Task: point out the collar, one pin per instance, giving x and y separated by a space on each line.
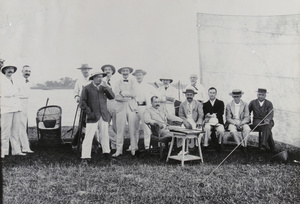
96 85
212 102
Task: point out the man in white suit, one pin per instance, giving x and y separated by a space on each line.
168 94
126 110
23 95
10 113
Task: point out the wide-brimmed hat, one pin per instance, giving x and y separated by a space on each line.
97 73
3 68
213 121
85 66
190 89
166 78
112 68
130 69
139 71
236 92
260 90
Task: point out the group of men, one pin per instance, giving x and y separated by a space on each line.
14 108
111 104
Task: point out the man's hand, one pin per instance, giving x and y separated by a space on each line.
187 125
77 99
267 121
198 126
104 84
170 99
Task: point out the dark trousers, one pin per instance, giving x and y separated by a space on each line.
267 136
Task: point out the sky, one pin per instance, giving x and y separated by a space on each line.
160 36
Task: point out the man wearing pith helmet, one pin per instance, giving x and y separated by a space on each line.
93 102
168 94
10 113
261 107
238 118
126 110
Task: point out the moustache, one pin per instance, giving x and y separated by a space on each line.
27 74
157 105
10 72
189 98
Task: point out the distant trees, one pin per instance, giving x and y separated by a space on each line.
62 83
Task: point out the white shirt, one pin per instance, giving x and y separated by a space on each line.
144 92
23 92
9 100
81 82
261 103
201 92
212 102
237 110
169 92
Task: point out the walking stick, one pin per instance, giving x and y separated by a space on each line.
74 120
45 109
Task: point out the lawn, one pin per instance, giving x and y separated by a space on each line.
54 175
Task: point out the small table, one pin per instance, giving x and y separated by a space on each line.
184 134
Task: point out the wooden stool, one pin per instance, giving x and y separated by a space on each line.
185 135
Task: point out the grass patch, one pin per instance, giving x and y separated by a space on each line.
54 175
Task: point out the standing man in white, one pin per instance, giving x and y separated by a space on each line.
23 95
144 92
111 104
201 96
10 113
168 94
80 83
126 110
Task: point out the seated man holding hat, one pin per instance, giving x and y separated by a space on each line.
213 112
93 102
237 118
261 107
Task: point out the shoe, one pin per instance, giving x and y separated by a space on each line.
107 156
129 149
20 154
136 154
115 155
185 153
29 152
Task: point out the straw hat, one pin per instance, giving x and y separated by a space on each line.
139 71
236 92
112 68
189 89
130 69
260 90
97 73
85 66
213 121
166 78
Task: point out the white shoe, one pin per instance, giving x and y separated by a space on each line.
20 154
129 149
29 151
116 154
185 153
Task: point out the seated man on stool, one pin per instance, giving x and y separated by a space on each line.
213 108
158 116
237 116
260 108
191 112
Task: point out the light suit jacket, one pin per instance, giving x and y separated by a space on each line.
197 111
244 113
151 115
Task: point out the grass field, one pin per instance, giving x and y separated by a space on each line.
54 175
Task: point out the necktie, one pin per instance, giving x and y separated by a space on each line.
26 80
125 80
108 82
189 108
166 88
11 81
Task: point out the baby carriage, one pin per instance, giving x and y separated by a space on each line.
48 123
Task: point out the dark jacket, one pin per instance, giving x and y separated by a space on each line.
260 112
93 102
218 108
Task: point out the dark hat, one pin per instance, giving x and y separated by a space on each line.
139 71
280 157
97 73
189 90
130 69
3 68
85 66
260 90
236 92
112 68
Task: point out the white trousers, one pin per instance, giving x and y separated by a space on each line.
239 137
23 130
130 116
140 123
10 123
91 129
219 132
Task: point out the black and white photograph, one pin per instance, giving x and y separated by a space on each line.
161 101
